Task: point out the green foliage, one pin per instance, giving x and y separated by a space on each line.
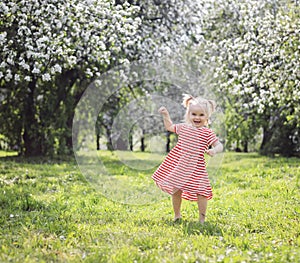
254 46
52 51
50 213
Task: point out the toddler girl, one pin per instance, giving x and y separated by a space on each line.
183 172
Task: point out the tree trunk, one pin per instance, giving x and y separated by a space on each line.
131 141
65 83
98 141
109 140
69 141
267 135
245 146
237 148
142 143
31 135
168 134
143 146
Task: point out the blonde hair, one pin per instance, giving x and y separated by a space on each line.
209 106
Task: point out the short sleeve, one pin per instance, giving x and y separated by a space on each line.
211 137
178 127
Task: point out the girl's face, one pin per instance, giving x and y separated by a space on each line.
197 116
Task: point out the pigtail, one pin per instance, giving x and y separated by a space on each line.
186 99
212 106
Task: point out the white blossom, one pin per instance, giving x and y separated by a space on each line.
46 77
4 8
40 97
17 77
24 65
36 71
27 78
3 37
3 64
8 75
10 61
72 60
56 69
89 72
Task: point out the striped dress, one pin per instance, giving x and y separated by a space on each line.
184 167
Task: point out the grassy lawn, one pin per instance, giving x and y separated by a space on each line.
50 213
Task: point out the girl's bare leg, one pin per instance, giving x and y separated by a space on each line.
176 201
202 205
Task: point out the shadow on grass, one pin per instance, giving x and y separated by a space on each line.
196 228
39 159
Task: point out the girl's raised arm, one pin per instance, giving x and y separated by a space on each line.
167 120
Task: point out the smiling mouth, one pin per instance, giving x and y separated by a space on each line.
197 122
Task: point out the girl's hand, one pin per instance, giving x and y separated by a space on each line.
211 152
162 110
217 148
167 120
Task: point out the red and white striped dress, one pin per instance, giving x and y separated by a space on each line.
184 167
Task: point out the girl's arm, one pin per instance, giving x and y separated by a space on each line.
217 148
167 120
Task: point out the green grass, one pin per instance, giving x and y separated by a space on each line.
50 213
7 153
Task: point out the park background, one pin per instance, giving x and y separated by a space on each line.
246 53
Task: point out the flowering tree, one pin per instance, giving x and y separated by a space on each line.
166 28
255 47
50 52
